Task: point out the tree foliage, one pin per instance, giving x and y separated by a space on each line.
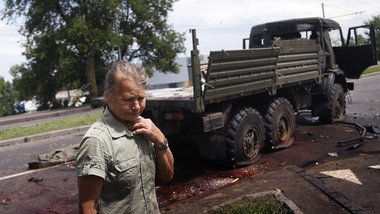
69 41
7 100
375 21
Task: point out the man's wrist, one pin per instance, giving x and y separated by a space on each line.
164 147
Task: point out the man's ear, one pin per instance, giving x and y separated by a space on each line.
106 94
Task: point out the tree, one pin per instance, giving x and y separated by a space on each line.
22 82
7 100
75 41
375 21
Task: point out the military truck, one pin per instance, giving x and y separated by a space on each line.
243 101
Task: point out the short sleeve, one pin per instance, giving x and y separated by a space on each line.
90 159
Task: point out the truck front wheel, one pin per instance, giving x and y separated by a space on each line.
334 109
280 123
245 137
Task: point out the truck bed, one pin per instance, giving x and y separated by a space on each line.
182 93
238 73
170 98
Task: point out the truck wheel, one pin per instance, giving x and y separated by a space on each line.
280 123
335 108
245 137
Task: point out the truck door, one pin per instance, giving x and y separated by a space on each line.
358 53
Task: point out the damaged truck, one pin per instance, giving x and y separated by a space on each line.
243 101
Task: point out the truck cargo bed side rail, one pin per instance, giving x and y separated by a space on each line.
298 62
237 73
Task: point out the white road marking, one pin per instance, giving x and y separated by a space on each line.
29 172
375 167
345 174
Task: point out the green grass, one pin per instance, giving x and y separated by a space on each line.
254 205
372 69
16 132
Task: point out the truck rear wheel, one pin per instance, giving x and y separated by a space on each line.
245 137
280 123
335 108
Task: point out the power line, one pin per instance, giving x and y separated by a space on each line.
348 14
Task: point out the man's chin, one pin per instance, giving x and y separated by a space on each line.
131 118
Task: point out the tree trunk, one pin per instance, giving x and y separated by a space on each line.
90 67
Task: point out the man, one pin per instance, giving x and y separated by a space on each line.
122 152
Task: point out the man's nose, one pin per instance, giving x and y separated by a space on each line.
136 105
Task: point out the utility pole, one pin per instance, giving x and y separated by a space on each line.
323 10
117 35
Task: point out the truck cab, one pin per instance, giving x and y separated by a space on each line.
352 54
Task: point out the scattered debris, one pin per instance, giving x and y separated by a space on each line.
333 154
235 180
358 127
54 158
4 201
374 167
373 129
325 137
355 146
35 180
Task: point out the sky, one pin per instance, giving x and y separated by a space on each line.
220 24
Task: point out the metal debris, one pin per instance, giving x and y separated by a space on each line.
4 201
333 154
35 179
358 127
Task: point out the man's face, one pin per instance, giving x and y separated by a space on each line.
127 102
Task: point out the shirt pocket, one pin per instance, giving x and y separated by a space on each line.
127 171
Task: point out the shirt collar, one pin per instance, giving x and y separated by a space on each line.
115 127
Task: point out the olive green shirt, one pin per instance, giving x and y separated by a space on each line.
125 161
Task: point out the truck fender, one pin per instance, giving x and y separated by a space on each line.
326 84
328 80
340 78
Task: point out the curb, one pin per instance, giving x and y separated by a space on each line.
277 195
80 129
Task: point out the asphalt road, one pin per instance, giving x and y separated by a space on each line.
14 159
365 96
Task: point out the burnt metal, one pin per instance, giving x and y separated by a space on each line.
358 127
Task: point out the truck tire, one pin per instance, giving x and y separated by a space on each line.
280 123
245 137
335 108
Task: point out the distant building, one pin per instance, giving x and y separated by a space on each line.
171 80
71 96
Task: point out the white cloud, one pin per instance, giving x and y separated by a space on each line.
10 49
222 24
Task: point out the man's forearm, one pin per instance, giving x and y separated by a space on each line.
165 165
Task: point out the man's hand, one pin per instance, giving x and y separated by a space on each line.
164 158
147 127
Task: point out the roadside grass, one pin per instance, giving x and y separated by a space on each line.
372 69
254 205
24 131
